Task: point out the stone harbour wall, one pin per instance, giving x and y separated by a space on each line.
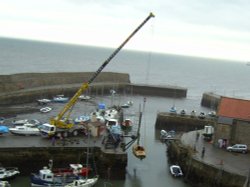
15 82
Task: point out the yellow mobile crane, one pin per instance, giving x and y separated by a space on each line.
60 125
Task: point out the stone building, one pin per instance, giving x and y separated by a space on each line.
233 124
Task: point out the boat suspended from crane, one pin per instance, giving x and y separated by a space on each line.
138 149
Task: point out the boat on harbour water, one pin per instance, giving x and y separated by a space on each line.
137 149
88 182
176 171
47 176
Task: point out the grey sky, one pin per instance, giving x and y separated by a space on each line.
209 28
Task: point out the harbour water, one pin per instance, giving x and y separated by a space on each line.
198 75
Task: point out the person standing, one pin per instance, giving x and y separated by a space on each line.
53 141
203 152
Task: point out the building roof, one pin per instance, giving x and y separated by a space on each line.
234 108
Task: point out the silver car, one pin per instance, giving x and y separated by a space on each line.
241 148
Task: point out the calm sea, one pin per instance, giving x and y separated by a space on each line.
198 75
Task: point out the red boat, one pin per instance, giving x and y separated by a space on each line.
76 169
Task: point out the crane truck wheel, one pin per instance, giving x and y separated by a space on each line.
75 133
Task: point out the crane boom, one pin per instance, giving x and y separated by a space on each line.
68 107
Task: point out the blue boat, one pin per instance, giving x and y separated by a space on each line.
3 129
173 110
46 177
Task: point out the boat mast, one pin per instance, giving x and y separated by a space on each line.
87 157
139 126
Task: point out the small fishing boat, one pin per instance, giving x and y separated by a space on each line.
2 119
82 119
84 97
87 181
176 171
173 110
127 105
4 184
45 109
130 103
164 135
111 114
3 129
126 124
20 122
27 129
60 99
139 151
43 101
8 172
83 182
58 177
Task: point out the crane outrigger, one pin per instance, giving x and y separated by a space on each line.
61 125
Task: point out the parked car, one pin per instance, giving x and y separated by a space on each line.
240 148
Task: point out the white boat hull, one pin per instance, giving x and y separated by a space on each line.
176 171
83 182
8 173
45 109
25 131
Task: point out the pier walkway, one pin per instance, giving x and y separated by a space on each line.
237 163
